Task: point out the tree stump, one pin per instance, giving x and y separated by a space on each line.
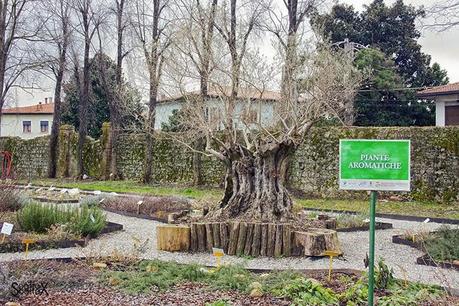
173 237
316 241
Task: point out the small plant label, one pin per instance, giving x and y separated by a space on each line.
218 252
7 228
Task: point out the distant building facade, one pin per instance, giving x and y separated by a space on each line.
261 109
27 122
446 99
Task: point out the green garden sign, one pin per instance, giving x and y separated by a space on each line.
374 165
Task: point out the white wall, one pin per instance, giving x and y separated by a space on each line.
11 125
440 104
265 108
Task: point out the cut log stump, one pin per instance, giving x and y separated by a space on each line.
316 241
173 237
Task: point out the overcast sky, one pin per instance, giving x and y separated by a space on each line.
442 46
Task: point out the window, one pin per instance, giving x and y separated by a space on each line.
44 126
26 127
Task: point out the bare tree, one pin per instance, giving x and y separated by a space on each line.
150 25
90 19
17 29
315 85
114 102
56 32
195 42
445 14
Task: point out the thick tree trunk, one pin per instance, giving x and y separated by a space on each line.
54 138
255 186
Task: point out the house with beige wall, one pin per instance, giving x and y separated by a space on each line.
27 121
446 99
261 103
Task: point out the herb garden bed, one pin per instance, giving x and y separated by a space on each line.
438 246
44 244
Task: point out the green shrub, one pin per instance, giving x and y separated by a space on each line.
87 221
39 218
384 277
309 292
443 244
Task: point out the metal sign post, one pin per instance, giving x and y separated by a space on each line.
371 267
367 164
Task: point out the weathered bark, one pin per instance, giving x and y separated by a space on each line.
254 186
54 138
114 106
154 65
85 11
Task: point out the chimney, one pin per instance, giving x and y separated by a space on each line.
46 100
50 99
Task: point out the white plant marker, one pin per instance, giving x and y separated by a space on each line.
7 229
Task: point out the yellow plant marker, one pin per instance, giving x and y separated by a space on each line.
218 253
331 254
3 238
27 241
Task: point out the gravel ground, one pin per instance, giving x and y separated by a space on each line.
140 234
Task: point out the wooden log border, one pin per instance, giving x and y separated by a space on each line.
243 238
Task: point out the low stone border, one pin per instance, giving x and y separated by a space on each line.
378 226
129 214
12 247
55 201
390 216
424 259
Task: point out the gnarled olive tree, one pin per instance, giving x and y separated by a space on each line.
254 132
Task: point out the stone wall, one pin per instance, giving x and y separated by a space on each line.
313 170
434 160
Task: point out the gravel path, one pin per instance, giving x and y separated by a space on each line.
140 233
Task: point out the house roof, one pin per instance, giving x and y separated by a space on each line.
448 89
243 93
42 108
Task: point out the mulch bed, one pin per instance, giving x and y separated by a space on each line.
424 259
17 246
378 226
183 294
